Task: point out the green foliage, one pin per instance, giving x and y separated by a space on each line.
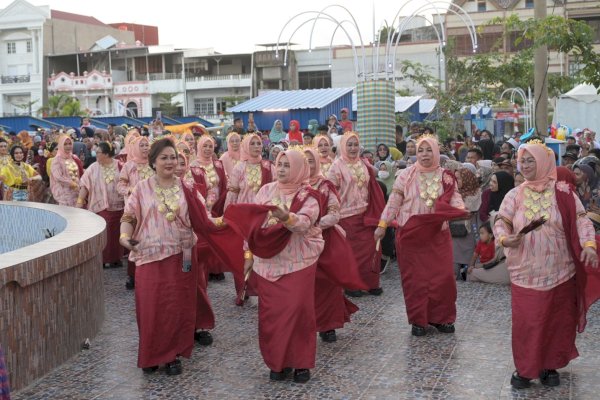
166 104
62 105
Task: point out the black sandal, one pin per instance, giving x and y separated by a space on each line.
301 375
518 382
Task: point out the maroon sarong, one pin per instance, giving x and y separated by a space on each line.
165 305
205 317
332 308
425 261
113 251
543 328
286 320
360 238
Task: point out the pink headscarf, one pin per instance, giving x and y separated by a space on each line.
245 149
314 178
318 139
435 147
202 159
135 154
131 135
61 147
299 171
235 155
343 151
545 165
186 134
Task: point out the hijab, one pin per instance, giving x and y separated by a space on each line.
187 134
389 181
584 190
299 172
545 165
314 178
131 135
235 155
318 139
505 184
245 149
61 147
277 135
277 146
387 153
470 184
135 154
435 147
342 148
202 159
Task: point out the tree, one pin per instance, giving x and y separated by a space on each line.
166 104
26 107
54 106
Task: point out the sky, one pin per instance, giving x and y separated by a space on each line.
236 26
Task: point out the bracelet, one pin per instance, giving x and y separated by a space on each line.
80 201
382 224
591 244
125 235
219 222
247 255
501 240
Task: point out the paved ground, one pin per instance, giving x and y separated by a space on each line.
375 357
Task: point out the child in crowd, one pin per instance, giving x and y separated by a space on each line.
485 250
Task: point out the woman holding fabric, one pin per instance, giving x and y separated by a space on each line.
16 175
65 171
336 266
552 282
135 170
362 202
156 229
98 194
423 199
285 282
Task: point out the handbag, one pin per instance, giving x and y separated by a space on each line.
458 229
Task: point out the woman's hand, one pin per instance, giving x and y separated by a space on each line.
282 214
124 241
379 233
512 241
589 257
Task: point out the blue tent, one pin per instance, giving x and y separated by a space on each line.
301 105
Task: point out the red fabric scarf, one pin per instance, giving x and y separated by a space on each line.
587 278
376 199
200 178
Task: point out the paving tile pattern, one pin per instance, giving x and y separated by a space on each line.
375 356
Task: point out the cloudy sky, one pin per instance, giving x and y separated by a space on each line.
231 26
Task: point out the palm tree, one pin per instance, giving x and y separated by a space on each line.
72 109
54 106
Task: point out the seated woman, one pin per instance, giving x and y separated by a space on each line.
488 263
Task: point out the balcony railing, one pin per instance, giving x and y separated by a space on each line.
158 76
217 78
15 78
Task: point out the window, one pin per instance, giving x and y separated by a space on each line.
204 106
29 48
528 3
481 7
315 80
11 48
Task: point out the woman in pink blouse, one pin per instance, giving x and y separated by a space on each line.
65 174
547 268
131 135
156 228
324 148
362 202
332 308
98 193
190 140
423 198
135 170
286 313
232 156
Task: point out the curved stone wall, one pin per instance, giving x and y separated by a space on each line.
51 290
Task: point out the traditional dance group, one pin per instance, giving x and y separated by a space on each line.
303 232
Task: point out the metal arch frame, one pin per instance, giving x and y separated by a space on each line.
527 104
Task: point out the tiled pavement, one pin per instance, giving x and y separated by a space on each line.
375 356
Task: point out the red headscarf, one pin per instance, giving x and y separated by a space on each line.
314 178
135 154
245 149
202 159
61 147
545 165
299 171
343 151
296 135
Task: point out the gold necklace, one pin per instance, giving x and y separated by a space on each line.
211 175
169 200
253 176
358 173
108 173
144 172
72 169
537 204
429 188
279 202
325 168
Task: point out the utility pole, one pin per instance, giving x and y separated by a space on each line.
541 77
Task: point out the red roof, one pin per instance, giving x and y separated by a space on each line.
55 14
